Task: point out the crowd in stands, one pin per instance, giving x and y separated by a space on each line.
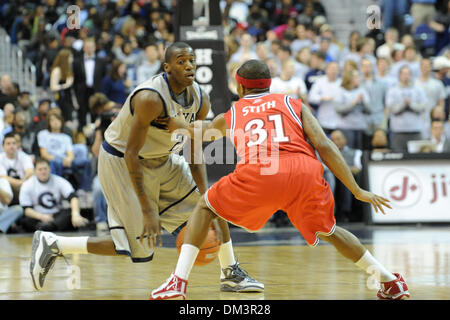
381 90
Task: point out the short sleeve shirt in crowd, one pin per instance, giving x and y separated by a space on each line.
56 144
17 166
45 197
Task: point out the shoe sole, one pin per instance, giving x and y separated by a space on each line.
165 297
34 252
402 296
228 288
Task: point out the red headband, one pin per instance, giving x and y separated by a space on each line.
254 83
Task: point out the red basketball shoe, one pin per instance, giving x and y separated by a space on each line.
174 287
394 290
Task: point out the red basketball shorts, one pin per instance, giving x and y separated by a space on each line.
248 199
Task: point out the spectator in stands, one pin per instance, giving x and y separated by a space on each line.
382 72
262 51
57 148
7 118
288 84
20 126
351 50
116 86
438 113
405 102
303 57
390 44
42 113
364 49
245 51
46 58
62 83
334 49
344 200
151 64
324 48
284 54
25 105
17 164
437 136
323 94
422 12
8 214
6 93
317 69
434 90
411 60
380 142
440 23
350 65
41 198
352 105
89 71
301 40
376 90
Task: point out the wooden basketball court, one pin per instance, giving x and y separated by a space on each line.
279 258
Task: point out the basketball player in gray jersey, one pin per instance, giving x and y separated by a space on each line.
147 185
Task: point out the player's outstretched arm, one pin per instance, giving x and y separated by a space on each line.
211 130
333 159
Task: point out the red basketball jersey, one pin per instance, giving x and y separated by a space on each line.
262 124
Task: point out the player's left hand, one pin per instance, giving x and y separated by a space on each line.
378 202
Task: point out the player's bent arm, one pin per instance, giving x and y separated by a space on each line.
211 130
328 151
147 106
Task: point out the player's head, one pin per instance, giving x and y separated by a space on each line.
253 77
179 64
42 169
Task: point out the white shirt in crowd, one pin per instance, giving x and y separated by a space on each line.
292 87
45 197
57 144
16 167
326 113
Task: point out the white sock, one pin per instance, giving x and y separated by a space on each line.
368 263
186 260
71 245
226 256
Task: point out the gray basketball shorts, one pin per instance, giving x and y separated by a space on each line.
172 192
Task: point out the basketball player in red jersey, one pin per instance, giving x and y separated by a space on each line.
248 196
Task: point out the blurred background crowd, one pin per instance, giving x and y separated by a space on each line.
379 89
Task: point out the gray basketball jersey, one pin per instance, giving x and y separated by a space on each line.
158 142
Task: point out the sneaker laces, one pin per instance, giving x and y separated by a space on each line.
237 270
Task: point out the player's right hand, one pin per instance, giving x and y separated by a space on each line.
152 229
376 201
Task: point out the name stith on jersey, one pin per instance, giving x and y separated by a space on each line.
259 108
